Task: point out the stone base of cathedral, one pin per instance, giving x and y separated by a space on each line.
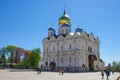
68 69
73 69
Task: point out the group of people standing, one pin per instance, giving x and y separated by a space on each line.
107 73
61 71
38 70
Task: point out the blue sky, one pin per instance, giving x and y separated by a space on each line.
24 23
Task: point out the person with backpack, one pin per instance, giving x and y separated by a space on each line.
107 73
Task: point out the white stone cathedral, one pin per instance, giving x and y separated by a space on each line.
78 51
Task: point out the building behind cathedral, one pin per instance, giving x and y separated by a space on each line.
76 51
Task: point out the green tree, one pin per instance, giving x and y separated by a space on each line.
3 54
34 57
11 49
32 61
116 65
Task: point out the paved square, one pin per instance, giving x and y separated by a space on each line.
32 75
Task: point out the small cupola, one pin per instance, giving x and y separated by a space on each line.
51 32
78 29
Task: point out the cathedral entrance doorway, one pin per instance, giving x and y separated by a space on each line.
46 63
52 65
92 58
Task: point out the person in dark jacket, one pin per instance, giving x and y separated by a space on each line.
107 73
62 71
38 70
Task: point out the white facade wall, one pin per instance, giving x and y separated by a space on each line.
68 47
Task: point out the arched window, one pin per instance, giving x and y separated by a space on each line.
51 33
48 33
63 31
69 59
46 48
61 59
54 48
89 49
83 66
61 47
70 46
46 63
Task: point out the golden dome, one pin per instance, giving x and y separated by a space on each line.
64 19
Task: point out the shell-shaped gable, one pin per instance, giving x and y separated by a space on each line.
91 37
84 35
60 38
97 40
53 38
45 40
68 36
76 35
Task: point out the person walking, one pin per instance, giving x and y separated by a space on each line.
38 70
102 74
113 72
62 71
107 74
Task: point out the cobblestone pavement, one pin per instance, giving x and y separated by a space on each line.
32 75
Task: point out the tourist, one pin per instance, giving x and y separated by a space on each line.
62 71
113 72
107 73
38 70
102 74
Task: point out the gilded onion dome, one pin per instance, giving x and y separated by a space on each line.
64 19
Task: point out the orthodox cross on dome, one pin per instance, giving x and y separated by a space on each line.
78 26
64 11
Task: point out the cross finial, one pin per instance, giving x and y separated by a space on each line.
64 11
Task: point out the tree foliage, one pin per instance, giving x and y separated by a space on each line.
3 53
11 49
30 60
33 60
34 57
116 65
